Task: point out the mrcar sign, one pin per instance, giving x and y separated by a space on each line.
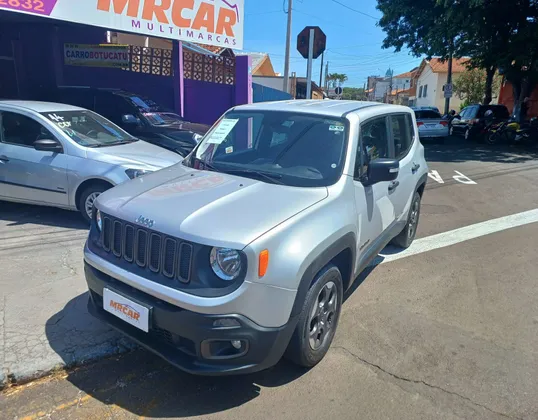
213 22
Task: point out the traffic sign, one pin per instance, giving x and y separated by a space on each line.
338 91
303 41
448 88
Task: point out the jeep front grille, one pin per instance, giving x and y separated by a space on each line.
150 250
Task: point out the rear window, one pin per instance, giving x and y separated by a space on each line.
427 114
498 111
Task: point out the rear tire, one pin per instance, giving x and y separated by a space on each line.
87 198
318 320
407 235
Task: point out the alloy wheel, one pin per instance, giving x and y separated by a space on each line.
323 315
413 219
467 134
88 204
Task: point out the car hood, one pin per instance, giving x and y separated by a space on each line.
139 155
210 208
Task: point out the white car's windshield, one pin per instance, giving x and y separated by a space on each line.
88 128
279 147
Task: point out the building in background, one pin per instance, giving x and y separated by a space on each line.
432 76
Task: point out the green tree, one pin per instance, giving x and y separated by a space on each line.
496 34
356 94
471 85
336 79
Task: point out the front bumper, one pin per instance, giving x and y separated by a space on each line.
182 337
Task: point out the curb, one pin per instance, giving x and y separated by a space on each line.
122 346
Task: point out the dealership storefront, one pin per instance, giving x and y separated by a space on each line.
49 43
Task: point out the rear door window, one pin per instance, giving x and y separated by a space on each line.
401 135
427 114
113 107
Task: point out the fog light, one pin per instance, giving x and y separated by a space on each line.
237 344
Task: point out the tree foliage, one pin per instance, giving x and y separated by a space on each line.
336 79
496 34
471 84
357 94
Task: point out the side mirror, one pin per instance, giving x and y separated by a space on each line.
129 119
48 145
381 170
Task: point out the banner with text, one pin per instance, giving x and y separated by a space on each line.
107 55
213 22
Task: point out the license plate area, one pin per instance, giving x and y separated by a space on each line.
127 310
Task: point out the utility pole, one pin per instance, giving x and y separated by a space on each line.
326 74
321 70
448 81
287 57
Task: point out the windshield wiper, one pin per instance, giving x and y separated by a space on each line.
93 146
268 176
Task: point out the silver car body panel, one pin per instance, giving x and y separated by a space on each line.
295 224
53 179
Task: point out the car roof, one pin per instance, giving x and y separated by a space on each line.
318 107
37 106
113 91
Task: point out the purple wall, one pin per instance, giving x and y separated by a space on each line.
39 48
205 102
158 88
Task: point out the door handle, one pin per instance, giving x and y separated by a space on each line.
393 185
415 167
4 158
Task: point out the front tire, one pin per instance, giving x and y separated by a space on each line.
407 235
467 135
88 197
318 320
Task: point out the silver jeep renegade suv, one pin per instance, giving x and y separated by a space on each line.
242 253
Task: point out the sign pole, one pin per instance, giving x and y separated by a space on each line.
309 69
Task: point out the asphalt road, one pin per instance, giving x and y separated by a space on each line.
447 333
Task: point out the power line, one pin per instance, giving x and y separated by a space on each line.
354 10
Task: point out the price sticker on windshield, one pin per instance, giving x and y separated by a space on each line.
222 130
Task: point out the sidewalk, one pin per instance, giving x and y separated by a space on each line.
44 324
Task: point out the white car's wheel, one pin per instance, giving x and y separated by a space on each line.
87 199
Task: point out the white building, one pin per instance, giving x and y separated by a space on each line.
432 76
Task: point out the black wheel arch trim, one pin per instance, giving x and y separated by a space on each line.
348 241
422 181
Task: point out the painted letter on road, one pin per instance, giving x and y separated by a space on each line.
435 176
463 179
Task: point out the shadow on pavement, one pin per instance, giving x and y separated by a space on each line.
141 382
16 214
458 150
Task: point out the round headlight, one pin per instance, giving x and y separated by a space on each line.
98 220
225 262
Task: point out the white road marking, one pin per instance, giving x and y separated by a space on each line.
456 236
464 179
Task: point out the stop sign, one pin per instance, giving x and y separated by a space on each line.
303 39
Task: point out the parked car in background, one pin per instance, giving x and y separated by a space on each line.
471 122
234 257
138 115
64 156
430 123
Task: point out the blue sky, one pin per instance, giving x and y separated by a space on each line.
353 39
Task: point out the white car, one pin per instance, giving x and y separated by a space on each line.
64 156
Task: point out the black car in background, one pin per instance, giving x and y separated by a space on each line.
470 122
136 114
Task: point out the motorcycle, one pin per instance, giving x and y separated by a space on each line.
513 132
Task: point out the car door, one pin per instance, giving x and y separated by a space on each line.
403 149
375 209
27 174
458 123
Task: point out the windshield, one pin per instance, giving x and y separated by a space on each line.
280 147
155 114
88 128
